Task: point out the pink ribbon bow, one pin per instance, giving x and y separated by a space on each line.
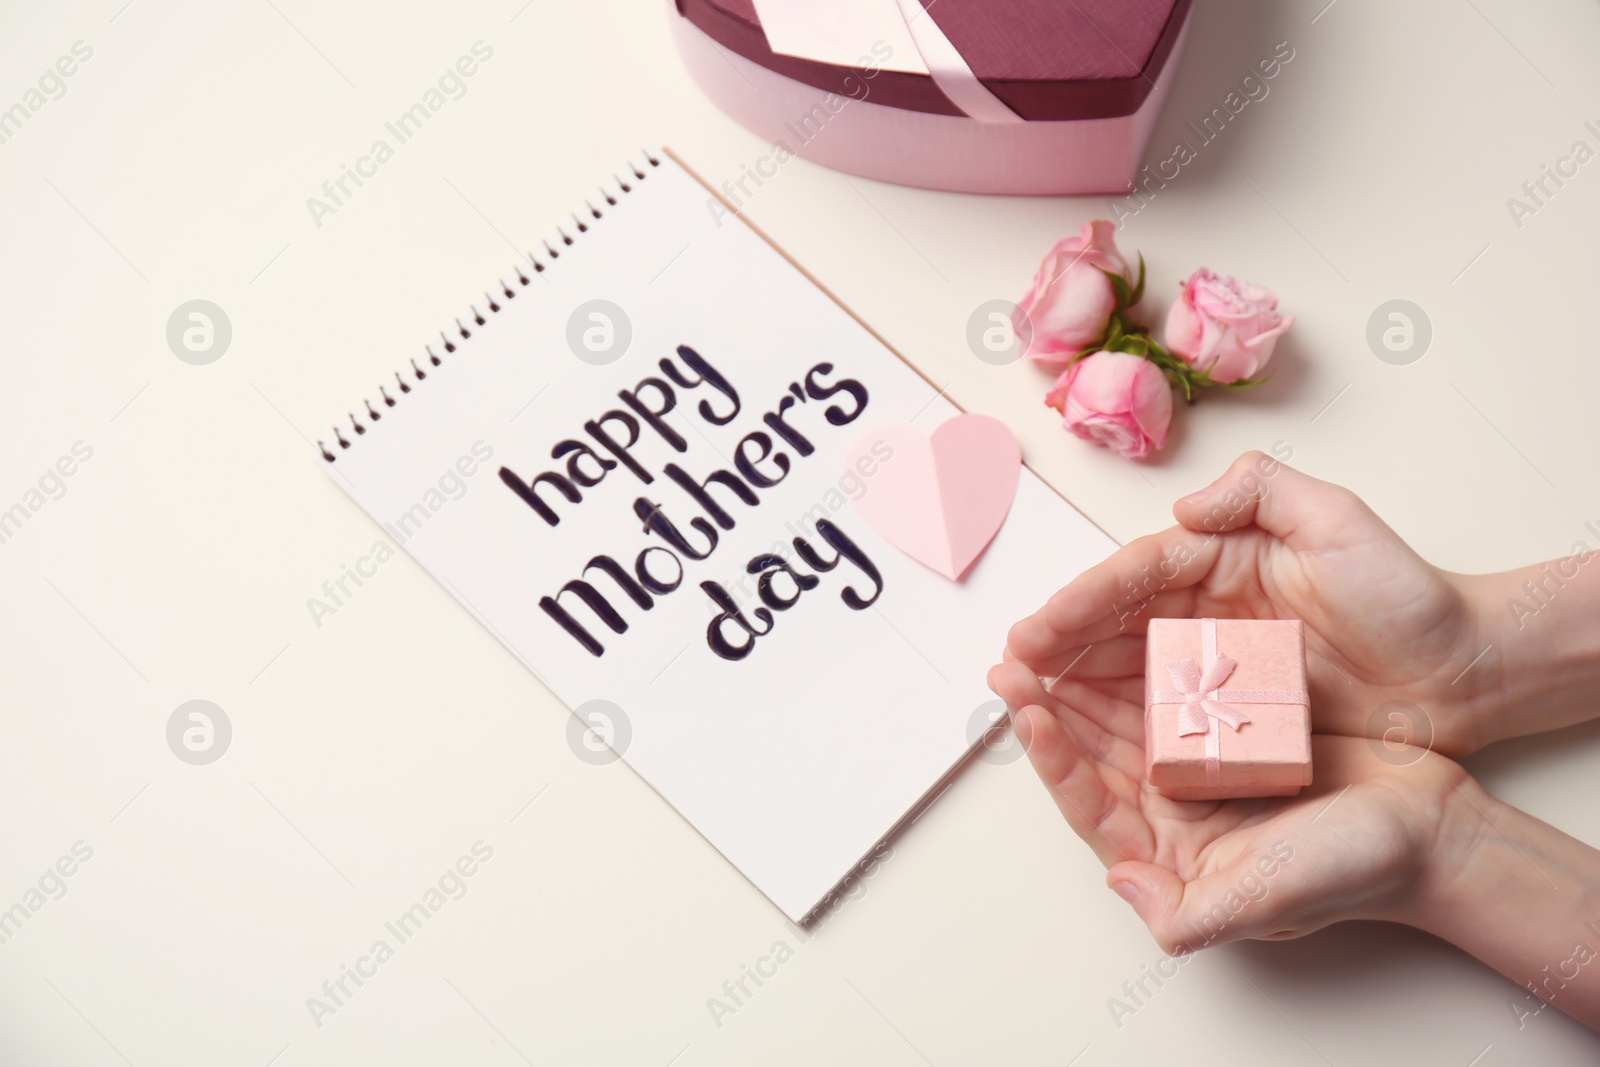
1202 697
1193 688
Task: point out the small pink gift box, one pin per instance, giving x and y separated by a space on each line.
1227 713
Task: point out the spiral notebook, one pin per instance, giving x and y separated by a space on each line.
629 465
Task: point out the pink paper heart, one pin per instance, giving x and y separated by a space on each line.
940 497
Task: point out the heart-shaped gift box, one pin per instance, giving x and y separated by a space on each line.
992 96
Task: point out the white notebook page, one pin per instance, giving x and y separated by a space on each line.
796 759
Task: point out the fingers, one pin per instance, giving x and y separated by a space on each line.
1303 511
1115 711
1109 823
1121 656
1128 690
1020 687
1114 657
1111 732
1233 903
1014 683
1150 577
1156 895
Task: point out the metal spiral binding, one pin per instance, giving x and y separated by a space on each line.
373 413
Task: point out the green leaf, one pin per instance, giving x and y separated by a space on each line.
1119 285
1181 380
1138 288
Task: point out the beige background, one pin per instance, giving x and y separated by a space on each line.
369 753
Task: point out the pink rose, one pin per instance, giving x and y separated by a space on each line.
1071 301
1115 399
1225 327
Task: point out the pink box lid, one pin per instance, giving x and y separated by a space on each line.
1046 60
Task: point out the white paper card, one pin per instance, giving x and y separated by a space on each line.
796 759
846 33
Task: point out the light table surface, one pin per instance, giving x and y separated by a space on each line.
373 748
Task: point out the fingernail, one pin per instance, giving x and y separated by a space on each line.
1024 728
1126 890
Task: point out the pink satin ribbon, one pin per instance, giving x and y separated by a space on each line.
1204 700
949 71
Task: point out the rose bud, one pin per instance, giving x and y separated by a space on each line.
1071 301
1224 327
1115 399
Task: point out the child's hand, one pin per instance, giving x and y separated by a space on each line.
1370 840
1265 541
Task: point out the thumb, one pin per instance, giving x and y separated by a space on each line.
1232 904
1303 511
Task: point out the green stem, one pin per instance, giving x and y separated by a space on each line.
1126 336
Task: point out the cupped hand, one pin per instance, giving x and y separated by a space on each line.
1366 841
1395 649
